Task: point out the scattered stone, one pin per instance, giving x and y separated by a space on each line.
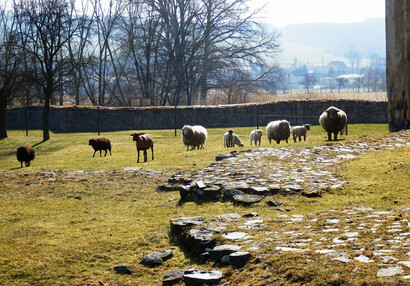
239 258
282 210
273 203
363 259
200 184
199 239
247 199
224 156
261 191
250 215
312 194
390 271
342 259
236 235
124 269
405 263
156 258
194 277
230 193
220 250
173 277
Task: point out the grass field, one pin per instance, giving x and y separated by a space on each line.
72 228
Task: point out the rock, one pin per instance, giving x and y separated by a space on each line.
250 215
225 259
180 226
229 193
221 157
282 210
390 271
199 239
204 257
293 188
200 184
173 277
127 169
156 258
211 193
219 251
274 188
233 216
168 188
240 186
194 277
273 203
312 194
239 258
261 191
247 199
124 269
236 235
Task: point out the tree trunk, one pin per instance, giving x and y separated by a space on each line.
46 113
3 107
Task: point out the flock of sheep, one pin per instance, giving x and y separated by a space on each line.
333 120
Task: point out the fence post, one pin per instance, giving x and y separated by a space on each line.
175 120
257 116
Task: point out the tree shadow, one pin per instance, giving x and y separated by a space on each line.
38 143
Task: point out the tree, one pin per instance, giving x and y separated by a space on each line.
341 82
46 27
354 58
10 65
308 81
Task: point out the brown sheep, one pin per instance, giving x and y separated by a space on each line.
25 154
100 144
143 142
333 120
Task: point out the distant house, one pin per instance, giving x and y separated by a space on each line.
338 66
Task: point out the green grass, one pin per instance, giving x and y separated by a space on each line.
72 229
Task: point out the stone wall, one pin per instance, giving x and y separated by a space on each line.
81 119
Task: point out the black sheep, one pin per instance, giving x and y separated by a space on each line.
100 144
25 154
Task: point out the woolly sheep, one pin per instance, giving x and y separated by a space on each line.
333 120
278 130
143 141
194 136
235 140
256 136
299 131
228 138
100 144
25 154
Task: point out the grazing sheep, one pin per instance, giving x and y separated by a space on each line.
278 130
228 138
194 136
256 136
299 131
100 144
25 154
333 120
143 142
237 141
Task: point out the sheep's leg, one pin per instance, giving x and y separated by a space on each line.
145 155
105 152
110 152
27 163
94 153
329 136
100 153
304 137
138 160
294 137
335 135
152 151
300 138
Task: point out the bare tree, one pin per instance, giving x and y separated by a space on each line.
10 65
308 81
47 25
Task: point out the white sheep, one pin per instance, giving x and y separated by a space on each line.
333 120
228 138
235 140
278 130
299 131
256 136
194 136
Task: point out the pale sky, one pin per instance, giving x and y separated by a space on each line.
281 13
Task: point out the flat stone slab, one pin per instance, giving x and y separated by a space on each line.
173 277
156 258
195 277
221 250
390 271
239 258
124 269
236 235
247 199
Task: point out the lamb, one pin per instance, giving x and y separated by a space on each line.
299 131
235 140
100 144
278 130
25 154
194 136
228 138
256 136
143 142
333 120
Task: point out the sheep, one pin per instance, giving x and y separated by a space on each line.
235 140
194 136
256 136
228 138
100 144
278 130
143 142
25 154
299 131
333 120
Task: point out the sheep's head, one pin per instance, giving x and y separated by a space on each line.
230 131
284 125
186 130
91 142
307 126
332 112
259 131
136 135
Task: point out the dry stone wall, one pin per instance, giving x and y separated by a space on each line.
82 119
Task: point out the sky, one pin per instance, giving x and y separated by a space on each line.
281 13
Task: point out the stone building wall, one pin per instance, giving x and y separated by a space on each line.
82 119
